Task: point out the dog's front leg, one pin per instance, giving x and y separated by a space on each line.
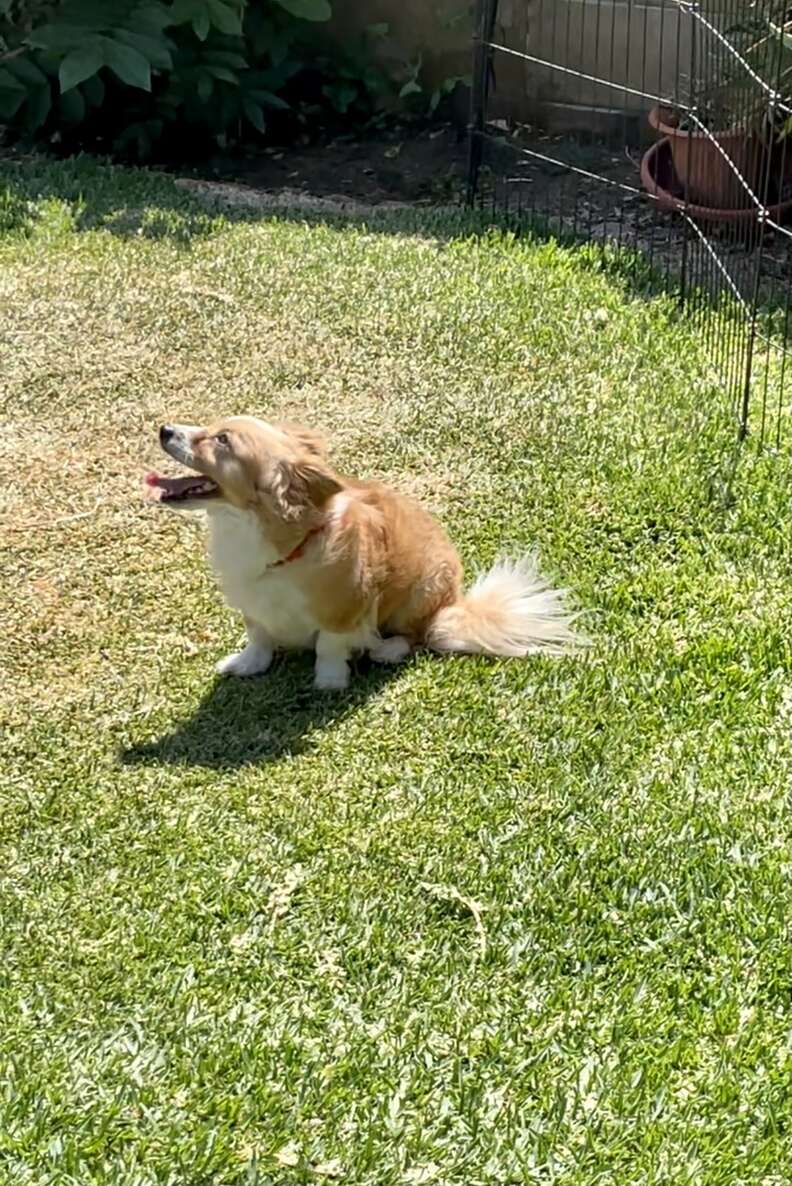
332 660
254 659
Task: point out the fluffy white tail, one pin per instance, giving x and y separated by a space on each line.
510 611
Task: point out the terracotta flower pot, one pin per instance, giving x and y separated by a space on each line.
704 175
659 180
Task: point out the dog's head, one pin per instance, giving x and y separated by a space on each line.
246 463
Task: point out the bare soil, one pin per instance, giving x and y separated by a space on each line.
397 166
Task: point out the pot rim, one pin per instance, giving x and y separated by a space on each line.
669 130
669 201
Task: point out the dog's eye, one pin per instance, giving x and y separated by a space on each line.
222 439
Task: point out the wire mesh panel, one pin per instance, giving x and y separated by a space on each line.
661 126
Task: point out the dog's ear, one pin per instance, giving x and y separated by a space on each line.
312 442
304 484
317 480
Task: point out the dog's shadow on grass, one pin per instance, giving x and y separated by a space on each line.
243 722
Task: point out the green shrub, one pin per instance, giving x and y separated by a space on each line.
144 76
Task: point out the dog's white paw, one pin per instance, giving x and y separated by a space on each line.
331 675
253 660
391 650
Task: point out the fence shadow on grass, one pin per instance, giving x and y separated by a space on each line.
142 204
83 194
138 204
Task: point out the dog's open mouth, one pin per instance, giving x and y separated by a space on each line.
187 489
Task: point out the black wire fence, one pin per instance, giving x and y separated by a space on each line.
663 127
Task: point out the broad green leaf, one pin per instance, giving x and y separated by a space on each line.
223 73
225 17
191 12
72 107
56 38
340 94
80 64
201 24
157 50
38 107
224 57
308 10
9 83
255 116
152 18
130 66
279 50
269 99
182 12
274 78
410 88
27 72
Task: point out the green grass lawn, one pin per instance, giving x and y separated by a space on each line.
472 922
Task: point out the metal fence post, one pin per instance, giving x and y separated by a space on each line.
483 27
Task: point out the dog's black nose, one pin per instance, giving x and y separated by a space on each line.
166 433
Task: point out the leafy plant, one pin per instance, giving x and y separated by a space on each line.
770 54
417 96
352 80
137 74
17 17
730 94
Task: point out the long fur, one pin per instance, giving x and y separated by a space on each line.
313 559
510 611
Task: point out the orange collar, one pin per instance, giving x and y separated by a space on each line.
298 551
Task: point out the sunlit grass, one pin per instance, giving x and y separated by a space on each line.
471 923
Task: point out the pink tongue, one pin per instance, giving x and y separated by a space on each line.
161 486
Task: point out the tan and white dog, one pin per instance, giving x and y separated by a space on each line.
315 560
